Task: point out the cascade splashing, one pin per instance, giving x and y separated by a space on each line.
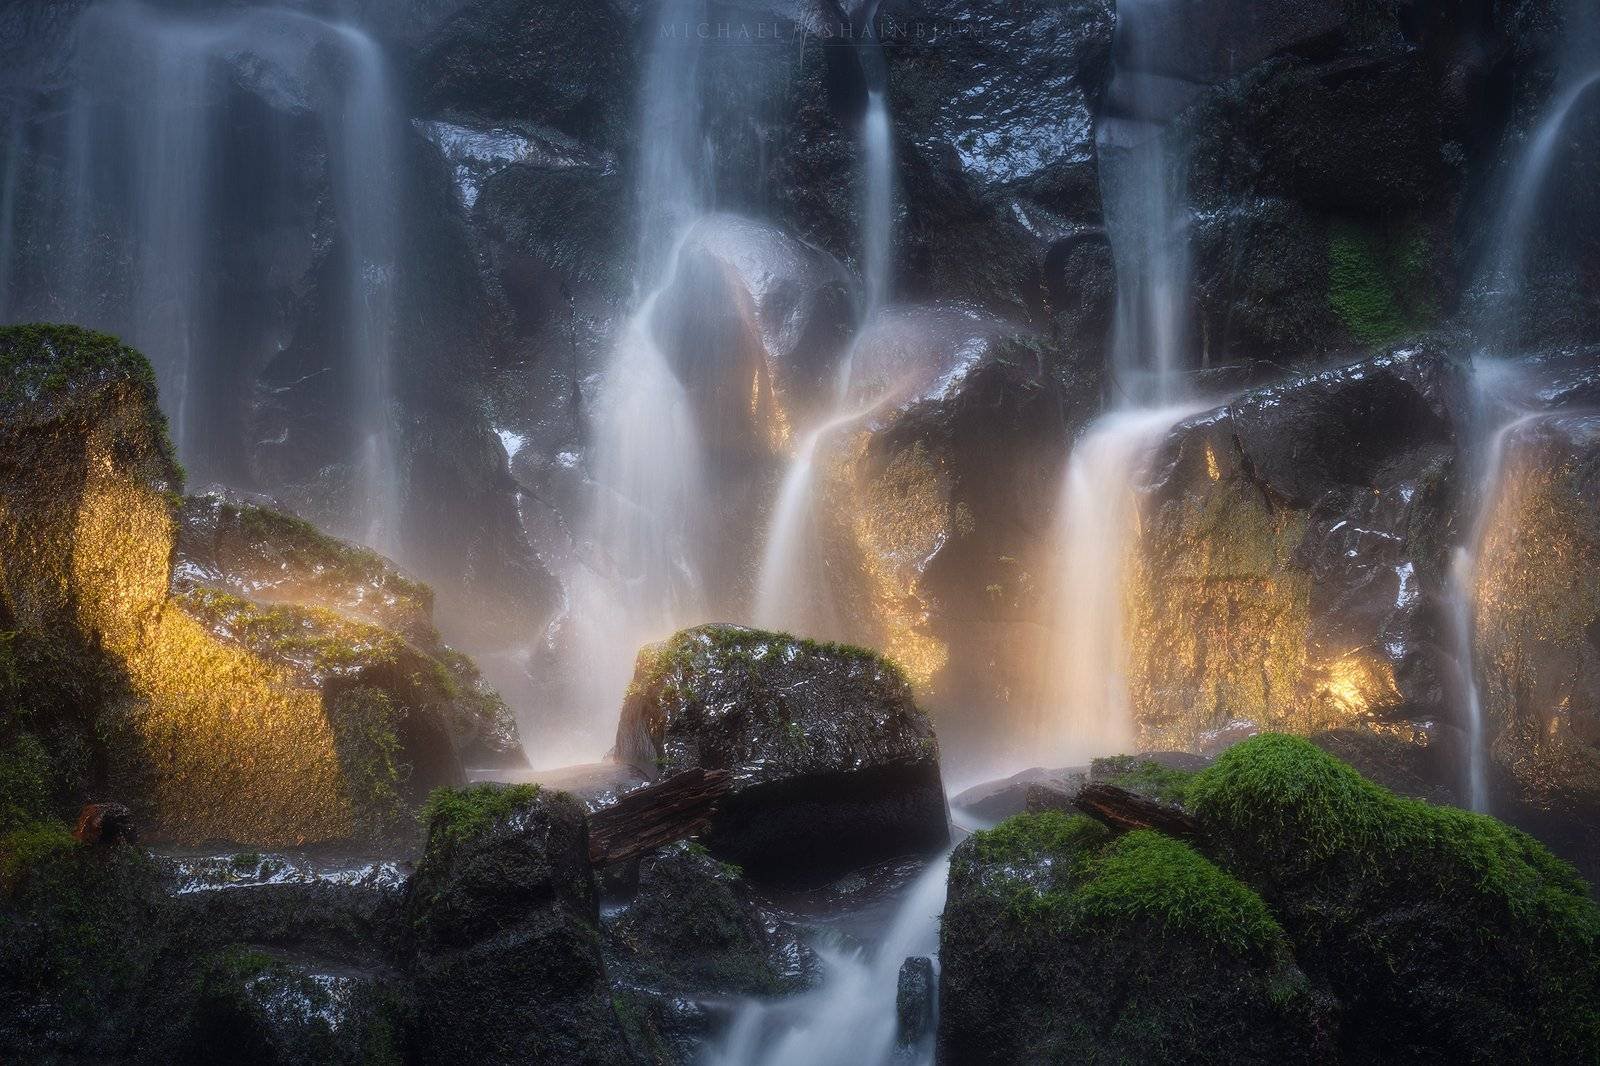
643 576
1493 418
851 1017
1083 689
147 160
792 591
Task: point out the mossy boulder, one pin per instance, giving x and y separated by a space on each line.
1063 943
833 764
1444 935
213 714
501 933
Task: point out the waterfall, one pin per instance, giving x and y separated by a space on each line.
145 146
1144 202
1082 689
643 578
792 591
851 1018
1492 418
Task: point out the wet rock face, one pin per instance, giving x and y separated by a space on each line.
1292 559
1538 622
1029 956
833 763
694 928
502 937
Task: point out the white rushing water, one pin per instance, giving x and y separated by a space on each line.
642 576
851 1019
1097 523
145 140
792 591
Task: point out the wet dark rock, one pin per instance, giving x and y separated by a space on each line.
994 801
105 825
501 933
833 764
915 990
694 929
499 60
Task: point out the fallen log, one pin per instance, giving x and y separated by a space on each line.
1121 809
655 815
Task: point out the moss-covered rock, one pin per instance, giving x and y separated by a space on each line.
833 764
166 685
1062 943
1445 935
501 933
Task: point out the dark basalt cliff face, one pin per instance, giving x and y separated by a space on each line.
833 765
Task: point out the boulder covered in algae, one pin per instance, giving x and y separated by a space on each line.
1314 916
833 763
226 671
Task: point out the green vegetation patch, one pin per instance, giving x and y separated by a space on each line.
454 816
25 783
314 639
1144 776
365 724
1378 283
1071 873
42 359
750 649
26 846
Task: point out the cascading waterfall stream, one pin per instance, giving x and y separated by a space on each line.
142 141
851 1018
1492 421
792 591
1083 694
649 487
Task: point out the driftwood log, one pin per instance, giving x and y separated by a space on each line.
658 814
1121 809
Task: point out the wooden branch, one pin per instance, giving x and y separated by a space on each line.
658 814
1121 809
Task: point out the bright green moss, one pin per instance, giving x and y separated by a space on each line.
1378 283
313 638
1144 776
41 358
453 816
1074 875
24 783
745 648
25 847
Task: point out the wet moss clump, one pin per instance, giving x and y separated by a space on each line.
1439 930
747 649
454 816
1144 776
1048 911
41 359
1378 283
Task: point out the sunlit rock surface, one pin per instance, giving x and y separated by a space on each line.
1290 560
1538 622
833 764
225 718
